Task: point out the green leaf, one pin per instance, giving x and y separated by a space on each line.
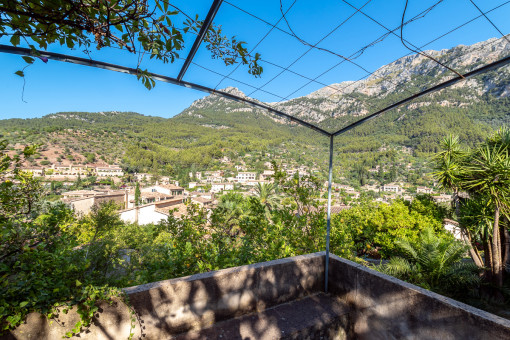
69 43
147 84
29 60
15 40
23 304
19 73
78 283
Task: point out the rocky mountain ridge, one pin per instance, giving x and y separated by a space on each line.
401 78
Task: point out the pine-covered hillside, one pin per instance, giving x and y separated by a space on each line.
213 127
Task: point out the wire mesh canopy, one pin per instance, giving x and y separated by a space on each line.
339 57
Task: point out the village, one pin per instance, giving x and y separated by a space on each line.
162 196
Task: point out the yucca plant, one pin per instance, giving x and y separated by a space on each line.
434 263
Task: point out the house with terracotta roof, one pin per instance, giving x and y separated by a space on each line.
82 201
155 212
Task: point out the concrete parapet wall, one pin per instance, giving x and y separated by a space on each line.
377 306
197 301
113 321
172 306
383 307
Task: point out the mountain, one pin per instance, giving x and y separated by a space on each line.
335 105
213 127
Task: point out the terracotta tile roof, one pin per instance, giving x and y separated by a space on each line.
177 210
170 186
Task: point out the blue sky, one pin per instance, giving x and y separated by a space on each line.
58 86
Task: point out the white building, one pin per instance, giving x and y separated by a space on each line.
346 188
144 214
36 171
423 190
219 187
143 177
168 189
267 175
110 171
152 212
148 197
453 227
391 188
442 198
243 177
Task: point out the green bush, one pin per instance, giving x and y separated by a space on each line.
434 263
374 227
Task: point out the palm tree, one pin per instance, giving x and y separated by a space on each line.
268 196
502 138
478 219
448 166
434 263
488 176
229 213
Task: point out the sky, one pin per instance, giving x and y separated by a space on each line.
333 25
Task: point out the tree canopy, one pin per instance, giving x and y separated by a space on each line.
142 27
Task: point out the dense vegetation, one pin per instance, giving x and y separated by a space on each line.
198 141
51 258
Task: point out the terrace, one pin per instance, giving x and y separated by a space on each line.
281 299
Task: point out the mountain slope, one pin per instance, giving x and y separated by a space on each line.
214 126
470 108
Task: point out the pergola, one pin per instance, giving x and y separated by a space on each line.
214 8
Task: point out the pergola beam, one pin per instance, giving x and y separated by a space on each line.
201 35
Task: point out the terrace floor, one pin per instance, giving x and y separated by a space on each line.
318 316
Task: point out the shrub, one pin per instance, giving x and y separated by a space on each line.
434 263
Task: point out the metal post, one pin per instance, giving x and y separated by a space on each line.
201 35
328 223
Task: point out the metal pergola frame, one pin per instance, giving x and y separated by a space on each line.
180 82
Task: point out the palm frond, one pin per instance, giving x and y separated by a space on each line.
434 263
398 267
